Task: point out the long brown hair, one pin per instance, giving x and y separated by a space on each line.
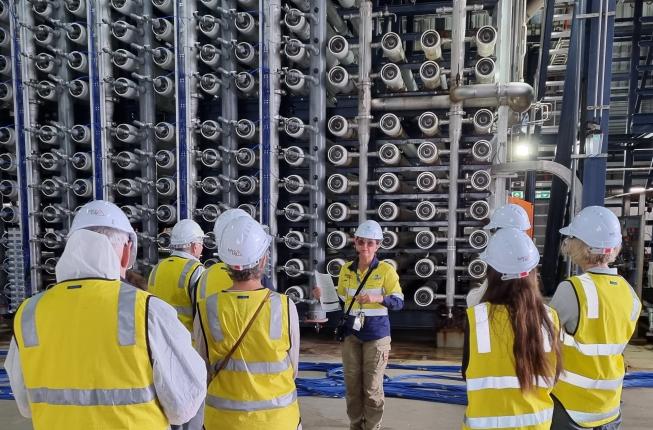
528 315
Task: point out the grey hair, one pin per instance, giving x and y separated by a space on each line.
117 238
184 248
255 272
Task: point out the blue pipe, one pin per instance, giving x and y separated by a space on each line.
401 386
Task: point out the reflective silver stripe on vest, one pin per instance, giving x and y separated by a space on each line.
589 417
152 279
213 317
126 315
203 283
28 322
501 382
590 384
184 310
75 397
593 349
260 367
482 328
276 316
591 295
352 291
370 312
510 421
250 406
634 313
182 278
196 275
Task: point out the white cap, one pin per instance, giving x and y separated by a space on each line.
225 218
369 230
512 253
509 216
244 243
598 227
101 213
186 232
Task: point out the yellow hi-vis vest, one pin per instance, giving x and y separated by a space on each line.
214 279
256 389
84 355
494 399
382 281
171 281
590 386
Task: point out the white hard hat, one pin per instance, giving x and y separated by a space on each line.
598 227
186 232
369 230
512 253
101 213
509 216
225 218
244 243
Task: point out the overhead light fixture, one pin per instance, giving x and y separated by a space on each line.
521 150
637 189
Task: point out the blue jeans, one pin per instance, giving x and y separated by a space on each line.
562 421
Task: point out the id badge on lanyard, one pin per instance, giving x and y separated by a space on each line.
359 322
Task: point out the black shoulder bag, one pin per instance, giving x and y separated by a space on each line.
340 330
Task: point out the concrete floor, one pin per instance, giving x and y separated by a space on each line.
329 414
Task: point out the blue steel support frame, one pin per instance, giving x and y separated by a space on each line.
21 150
634 63
567 135
594 168
95 97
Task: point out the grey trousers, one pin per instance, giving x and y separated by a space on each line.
562 421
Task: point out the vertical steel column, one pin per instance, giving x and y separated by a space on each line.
645 77
270 40
504 50
634 63
183 50
229 108
364 103
21 98
455 130
567 137
628 180
96 100
102 163
639 262
540 82
147 116
601 31
317 114
65 120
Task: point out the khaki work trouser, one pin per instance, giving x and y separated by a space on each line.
364 364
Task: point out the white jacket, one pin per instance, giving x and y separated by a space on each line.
179 371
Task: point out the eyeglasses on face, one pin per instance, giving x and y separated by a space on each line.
366 242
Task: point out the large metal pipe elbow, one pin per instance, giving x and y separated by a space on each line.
519 95
533 7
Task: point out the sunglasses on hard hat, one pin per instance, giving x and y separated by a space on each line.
366 242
